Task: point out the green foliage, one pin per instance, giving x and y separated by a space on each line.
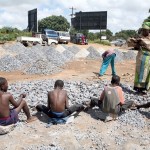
72 31
125 34
103 42
106 33
85 32
92 36
10 34
97 35
58 23
147 19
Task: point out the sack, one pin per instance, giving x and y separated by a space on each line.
6 129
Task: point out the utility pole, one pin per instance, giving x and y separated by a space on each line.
72 8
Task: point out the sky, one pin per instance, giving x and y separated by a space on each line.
121 14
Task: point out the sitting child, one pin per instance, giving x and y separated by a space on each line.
10 116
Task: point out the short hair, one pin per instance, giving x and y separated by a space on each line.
59 83
2 81
115 79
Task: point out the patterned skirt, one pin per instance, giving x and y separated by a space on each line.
142 73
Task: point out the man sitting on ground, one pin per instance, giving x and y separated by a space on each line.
57 105
112 98
10 116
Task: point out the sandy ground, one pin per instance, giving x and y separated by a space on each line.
36 133
85 70
80 69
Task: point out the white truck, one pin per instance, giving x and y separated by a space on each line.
38 38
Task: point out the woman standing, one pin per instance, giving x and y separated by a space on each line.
142 73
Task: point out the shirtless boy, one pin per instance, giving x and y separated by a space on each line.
57 105
10 116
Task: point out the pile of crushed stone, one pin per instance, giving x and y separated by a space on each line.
49 59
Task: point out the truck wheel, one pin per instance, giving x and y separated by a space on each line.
53 44
25 44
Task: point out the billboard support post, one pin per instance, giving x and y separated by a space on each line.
100 27
80 21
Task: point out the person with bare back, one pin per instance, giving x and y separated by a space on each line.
10 116
57 105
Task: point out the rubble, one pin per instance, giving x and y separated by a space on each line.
19 57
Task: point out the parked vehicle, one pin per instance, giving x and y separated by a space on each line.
51 34
38 38
118 42
63 37
79 38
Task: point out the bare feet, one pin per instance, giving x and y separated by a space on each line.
32 118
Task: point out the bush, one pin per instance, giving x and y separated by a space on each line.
104 42
13 35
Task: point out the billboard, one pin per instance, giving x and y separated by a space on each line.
90 20
32 20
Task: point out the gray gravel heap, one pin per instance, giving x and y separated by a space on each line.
43 147
15 48
9 63
119 55
31 59
73 49
122 56
94 54
42 67
133 118
55 57
68 55
131 125
24 58
36 52
78 92
130 55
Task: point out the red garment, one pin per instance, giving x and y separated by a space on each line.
83 39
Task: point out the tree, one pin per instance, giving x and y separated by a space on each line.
72 31
58 23
92 36
125 34
106 33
